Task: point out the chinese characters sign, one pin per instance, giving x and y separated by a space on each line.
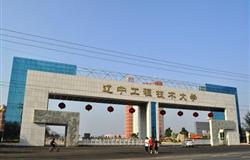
147 92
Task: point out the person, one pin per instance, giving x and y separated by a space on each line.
156 146
146 144
53 145
150 143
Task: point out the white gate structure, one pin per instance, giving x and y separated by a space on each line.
42 86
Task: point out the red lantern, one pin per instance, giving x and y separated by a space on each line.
180 113
88 107
131 110
162 112
61 105
195 114
210 115
110 109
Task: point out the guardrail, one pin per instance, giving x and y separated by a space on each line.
132 142
202 142
111 142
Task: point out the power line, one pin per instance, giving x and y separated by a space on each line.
140 79
101 71
128 54
122 62
82 69
166 82
103 53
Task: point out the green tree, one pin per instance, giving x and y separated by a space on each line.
247 121
184 131
168 132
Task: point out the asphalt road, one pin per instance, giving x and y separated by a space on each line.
241 152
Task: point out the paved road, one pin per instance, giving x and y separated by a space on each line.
241 152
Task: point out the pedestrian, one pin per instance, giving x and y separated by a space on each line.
146 144
53 145
150 143
156 146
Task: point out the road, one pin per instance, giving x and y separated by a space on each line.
241 152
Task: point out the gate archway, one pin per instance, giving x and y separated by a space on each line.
90 89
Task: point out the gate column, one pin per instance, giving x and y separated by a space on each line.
152 120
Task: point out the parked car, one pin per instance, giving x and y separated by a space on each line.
188 143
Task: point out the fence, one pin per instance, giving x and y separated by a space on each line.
111 142
202 142
132 142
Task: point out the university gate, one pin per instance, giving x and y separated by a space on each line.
42 86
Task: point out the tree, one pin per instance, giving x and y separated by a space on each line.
54 134
133 135
247 121
168 132
47 131
11 131
184 131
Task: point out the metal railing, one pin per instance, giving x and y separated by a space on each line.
118 76
131 142
111 142
202 142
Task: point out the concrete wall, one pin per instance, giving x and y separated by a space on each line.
69 119
40 84
230 132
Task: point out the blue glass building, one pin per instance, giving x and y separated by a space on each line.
16 94
226 90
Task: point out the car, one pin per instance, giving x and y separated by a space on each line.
188 143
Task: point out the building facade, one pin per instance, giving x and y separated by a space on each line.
16 93
201 127
128 122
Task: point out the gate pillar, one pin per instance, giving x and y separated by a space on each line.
152 120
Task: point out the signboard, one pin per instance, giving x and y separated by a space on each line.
148 92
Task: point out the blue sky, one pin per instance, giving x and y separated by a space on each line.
209 33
